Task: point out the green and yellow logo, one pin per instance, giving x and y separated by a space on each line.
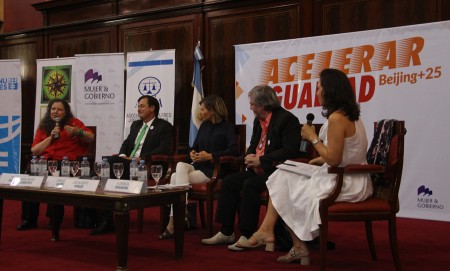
56 81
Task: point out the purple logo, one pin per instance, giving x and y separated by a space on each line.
91 75
424 190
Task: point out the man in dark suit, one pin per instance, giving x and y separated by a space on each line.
275 138
156 136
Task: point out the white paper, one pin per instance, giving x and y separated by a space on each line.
299 168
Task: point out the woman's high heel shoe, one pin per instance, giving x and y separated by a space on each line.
166 235
295 255
269 241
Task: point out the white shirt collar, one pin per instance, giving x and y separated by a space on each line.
149 123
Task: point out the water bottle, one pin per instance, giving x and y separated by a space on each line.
133 169
142 174
105 169
34 166
42 164
85 169
65 167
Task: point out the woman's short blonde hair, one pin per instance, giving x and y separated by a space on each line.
216 105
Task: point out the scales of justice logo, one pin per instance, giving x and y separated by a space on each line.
149 86
56 82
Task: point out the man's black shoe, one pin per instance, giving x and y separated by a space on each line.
26 225
103 228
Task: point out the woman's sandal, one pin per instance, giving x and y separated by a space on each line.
295 255
268 240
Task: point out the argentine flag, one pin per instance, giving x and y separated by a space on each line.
197 96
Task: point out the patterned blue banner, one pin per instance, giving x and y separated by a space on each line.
10 144
10 116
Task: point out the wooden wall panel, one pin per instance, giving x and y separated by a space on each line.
80 14
340 16
133 6
175 33
226 28
20 15
67 11
90 41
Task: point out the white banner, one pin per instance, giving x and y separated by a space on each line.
100 98
10 115
150 73
398 73
55 79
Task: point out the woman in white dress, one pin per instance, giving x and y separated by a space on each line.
342 140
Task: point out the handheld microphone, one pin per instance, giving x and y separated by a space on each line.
304 143
56 125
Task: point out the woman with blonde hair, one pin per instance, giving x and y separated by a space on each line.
216 137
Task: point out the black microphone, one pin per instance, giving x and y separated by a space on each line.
56 125
304 143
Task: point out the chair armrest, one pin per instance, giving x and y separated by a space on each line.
340 171
218 163
179 158
158 157
227 159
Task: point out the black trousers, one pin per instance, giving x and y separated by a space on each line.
30 211
250 186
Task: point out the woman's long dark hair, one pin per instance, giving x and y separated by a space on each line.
338 94
47 124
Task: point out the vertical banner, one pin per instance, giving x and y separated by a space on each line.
150 73
10 115
54 79
397 73
100 98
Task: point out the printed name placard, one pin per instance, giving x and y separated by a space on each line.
22 180
7 178
31 181
75 184
124 186
54 182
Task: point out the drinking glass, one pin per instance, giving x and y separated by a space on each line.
118 170
52 166
98 168
74 167
156 171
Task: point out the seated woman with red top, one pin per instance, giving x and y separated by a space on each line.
59 134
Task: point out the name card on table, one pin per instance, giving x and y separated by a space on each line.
22 180
7 178
75 184
55 182
124 186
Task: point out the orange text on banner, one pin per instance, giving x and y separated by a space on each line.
366 58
